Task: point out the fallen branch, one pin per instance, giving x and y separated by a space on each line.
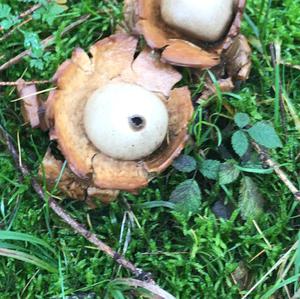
79 228
45 43
281 174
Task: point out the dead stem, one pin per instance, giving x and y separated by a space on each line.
280 173
156 291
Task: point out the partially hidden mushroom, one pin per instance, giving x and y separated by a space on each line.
192 33
116 118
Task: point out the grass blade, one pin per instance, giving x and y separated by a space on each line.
278 286
156 204
28 258
9 235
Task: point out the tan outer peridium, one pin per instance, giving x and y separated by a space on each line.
30 104
143 17
55 174
238 57
237 68
113 61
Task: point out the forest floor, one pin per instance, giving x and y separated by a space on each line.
242 239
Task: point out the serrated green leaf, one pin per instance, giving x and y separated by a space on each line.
7 23
210 169
53 11
250 200
240 143
32 42
241 120
37 63
49 12
5 11
185 163
265 135
228 173
187 197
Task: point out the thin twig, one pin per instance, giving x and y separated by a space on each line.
77 227
160 293
293 66
45 43
30 10
262 234
281 174
15 83
10 32
27 12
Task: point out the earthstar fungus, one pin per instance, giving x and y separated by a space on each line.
116 117
89 171
189 33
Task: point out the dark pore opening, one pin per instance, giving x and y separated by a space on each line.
137 122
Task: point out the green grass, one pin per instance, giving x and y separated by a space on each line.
191 257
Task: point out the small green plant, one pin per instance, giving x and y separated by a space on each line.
229 171
261 132
46 13
186 197
7 18
190 256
